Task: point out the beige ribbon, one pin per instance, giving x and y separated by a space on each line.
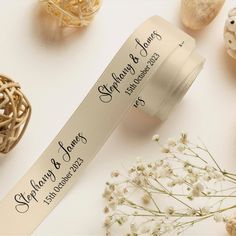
156 52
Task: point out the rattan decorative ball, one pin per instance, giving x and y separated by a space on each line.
15 111
72 13
230 33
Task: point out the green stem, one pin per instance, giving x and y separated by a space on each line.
196 155
210 155
170 194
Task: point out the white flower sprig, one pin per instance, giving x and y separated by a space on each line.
171 194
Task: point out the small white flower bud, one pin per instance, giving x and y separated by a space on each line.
171 142
165 150
183 138
169 210
218 217
156 138
115 173
146 199
133 228
181 148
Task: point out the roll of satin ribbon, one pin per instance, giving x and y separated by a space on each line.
152 71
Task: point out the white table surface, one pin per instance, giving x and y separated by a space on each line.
56 74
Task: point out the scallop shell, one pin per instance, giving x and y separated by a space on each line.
196 14
230 33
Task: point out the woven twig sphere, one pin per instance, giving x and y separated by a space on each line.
73 13
15 112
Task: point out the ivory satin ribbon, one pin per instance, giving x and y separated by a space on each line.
152 71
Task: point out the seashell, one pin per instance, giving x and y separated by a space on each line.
231 24
196 14
230 33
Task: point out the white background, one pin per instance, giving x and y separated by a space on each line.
57 72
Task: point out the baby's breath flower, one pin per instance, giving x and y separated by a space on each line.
218 217
171 184
146 199
166 171
207 177
112 187
183 138
119 193
171 142
192 212
218 176
145 229
165 150
226 219
192 177
179 181
169 211
156 227
139 181
127 199
125 190
158 163
121 201
113 204
140 167
131 170
209 169
190 197
115 173
156 230
106 210
205 210
186 164
197 190
133 228
121 220
156 137
181 148
189 169
108 232
107 193
168 227
108 222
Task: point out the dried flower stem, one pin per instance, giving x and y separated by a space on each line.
184 176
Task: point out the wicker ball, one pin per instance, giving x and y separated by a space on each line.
230 33
15 112
73 13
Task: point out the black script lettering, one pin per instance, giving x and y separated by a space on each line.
23 201
56 164
129 68
143 50
143 46
66 155
23 206
79 138
82 138
49 175
139 102
106 91
135 59
158 36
